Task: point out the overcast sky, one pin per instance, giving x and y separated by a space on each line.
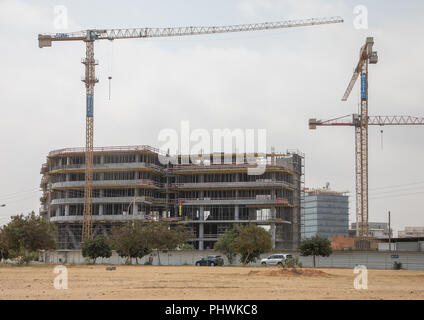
274 80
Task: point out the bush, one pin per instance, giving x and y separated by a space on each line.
160 236
27 233
315 246
292 263
251 242
397 265
95 248
225 244
186 246
128 242
27 257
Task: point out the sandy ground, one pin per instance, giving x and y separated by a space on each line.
190 282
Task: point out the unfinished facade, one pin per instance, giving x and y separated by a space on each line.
208 197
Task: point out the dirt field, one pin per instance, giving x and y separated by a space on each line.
189 282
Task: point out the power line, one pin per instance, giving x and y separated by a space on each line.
399 185
22 191
397 195
18 197
398 190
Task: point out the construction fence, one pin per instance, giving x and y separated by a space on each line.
370 259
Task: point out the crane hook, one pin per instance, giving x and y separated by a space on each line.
381 131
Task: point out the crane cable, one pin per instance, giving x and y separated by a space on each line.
110 66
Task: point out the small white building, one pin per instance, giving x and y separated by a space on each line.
411 232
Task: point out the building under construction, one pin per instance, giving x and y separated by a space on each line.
208 197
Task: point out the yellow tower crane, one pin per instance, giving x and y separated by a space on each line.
356 120
92 35
366 56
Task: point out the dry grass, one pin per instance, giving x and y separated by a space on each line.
206 283
291 272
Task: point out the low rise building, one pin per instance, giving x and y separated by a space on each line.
379 230
411 232
325 213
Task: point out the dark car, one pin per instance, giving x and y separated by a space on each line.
210 261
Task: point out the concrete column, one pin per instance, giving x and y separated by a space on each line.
201 217
273 235
49 208
100 209
135 208
273 213
58 211
236 208
201 236
201 213
273 196
68 177
102 159
137 157
68 161
67 210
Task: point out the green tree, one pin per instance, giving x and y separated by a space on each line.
26 234
186 246
315 246
251 242
161 236
225 244
4 247
96 247
128 242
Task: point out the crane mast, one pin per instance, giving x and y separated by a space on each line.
90 36
366 56
90 80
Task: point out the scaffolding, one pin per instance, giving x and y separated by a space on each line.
207 198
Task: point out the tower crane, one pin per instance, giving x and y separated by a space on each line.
357 121
92 35
366 56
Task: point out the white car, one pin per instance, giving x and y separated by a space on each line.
276 259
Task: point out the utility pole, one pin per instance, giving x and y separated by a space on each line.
390 235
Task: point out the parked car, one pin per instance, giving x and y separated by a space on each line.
276 259
210 261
